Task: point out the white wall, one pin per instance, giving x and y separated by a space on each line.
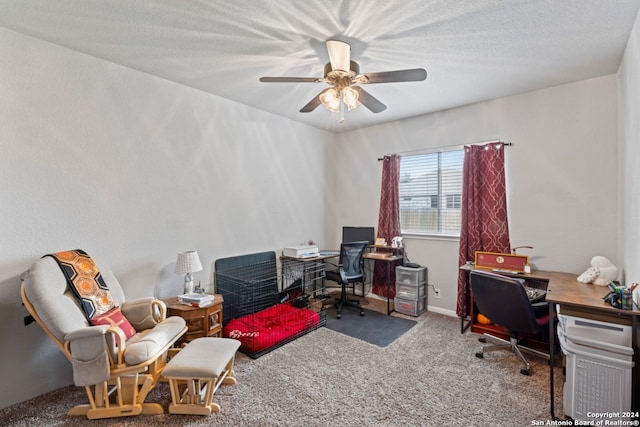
134 168
629 91
561 174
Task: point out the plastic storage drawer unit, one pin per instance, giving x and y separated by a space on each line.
411 275
411 291
410 307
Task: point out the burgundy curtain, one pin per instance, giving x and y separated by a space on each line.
388 221
484 225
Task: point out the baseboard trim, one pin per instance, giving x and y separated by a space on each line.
378 303
439 310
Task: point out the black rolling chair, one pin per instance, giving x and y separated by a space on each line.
350 271
505 302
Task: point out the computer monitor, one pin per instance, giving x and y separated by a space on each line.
358 234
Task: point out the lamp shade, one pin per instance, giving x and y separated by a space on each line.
350 97
188 262
330 98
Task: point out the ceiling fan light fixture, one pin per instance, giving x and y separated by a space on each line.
344 80
330 98
350 97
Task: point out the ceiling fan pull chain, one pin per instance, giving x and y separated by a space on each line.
341 107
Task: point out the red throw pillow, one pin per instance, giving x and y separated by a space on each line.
116 318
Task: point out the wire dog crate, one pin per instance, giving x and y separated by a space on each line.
265 309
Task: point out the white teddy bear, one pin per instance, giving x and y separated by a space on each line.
601 273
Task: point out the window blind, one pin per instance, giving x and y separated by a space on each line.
431 193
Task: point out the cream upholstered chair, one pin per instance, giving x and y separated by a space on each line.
117 373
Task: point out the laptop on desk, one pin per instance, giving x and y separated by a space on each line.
535 294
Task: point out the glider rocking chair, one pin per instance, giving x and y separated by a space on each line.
117 366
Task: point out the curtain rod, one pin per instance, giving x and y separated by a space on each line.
425 151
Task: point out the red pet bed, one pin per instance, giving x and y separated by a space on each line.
270 327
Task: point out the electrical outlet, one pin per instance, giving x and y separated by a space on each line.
437 291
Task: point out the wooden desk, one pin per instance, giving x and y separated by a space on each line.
585 300
387 249
201 322
389 259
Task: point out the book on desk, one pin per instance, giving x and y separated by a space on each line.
196 300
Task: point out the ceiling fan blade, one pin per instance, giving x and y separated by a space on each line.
312 105
369 101
290 79
339 55
413 75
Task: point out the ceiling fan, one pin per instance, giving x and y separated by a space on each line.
343 75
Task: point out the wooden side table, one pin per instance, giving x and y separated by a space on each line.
201 321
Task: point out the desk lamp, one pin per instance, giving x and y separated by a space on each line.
187 263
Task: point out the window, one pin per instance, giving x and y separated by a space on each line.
453 201
431 193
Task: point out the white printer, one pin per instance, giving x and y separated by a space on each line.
303 251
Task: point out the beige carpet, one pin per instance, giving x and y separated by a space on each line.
427 377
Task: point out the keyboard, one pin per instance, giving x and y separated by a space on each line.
329 253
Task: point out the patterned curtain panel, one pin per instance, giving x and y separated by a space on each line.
484 225
388 221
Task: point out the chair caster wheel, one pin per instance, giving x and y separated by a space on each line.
482 339
524 371
361 313
338 316
480 355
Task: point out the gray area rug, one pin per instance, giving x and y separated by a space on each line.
427 377
374 327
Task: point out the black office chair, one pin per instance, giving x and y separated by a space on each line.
349 272
505 302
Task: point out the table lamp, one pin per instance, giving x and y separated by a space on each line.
188 262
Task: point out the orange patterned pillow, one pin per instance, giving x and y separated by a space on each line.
116 318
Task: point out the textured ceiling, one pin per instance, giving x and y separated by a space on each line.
473 50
